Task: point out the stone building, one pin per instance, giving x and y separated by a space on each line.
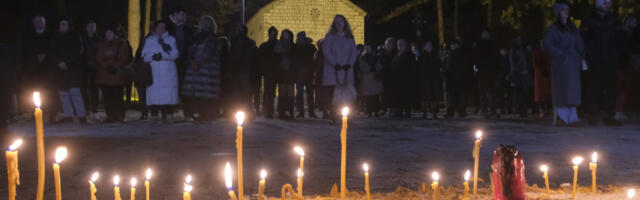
313 16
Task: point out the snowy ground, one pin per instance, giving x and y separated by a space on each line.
400 153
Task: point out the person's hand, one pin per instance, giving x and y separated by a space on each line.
41 57
157 57
63 66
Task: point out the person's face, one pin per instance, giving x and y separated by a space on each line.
273 35
428 47
180 17
91 28
368 49
109 35
340 24
402 46
64 26
389 45
564 13
285 36
161 28
39 23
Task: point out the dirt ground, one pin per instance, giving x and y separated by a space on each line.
401 153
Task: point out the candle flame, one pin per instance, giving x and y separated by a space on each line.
61 154
435 176
263 174
544 168
240 118
116 180
631 193
577 160
36 99
227 176
478 135
188 179
594 157
299 150
345 111
95 177
467 174
300 173
148 173
188 188
15 145
134 181
365 167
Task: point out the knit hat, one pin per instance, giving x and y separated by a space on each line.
601 2
558 7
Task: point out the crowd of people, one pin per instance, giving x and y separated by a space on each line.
589 71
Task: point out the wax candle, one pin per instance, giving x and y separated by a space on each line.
343 160
593 166
476 157
240 120
263 176
299 181
367 188
40 145
134 181
287 187
146 182
13 174
92 186
116 189
300 153
61 154
228 182
187 192
576 162
545 175
467 175
435 176
631 193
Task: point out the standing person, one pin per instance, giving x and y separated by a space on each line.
285 74
161 52
564 43
502 84
429 70
36 71
90 42
201 88
340 54
600 33
370 81
179 29
138 63
625 72
112 56
402 69
520 77
542 79
65 52
303 52
241 74
457 73
485 60
384 60
268 62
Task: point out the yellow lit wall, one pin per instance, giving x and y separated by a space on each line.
312 16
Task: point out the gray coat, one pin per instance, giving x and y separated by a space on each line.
203 81
566 47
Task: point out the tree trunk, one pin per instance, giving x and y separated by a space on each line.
134 24
147 16
158 9
440 23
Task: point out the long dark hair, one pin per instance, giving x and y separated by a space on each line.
347 28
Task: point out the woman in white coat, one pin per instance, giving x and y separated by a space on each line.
161 52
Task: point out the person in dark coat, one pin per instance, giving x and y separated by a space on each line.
485 59
90 42
402 69
384 59
564 43
542 79
65 53
286 74
111 57
600 33
502 84
268 62
521 77
179 29
241 74
625 72
457 74
430 71
302 56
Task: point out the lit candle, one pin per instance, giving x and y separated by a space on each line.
435 176
576 162
134 181
631 193
343 160
476 157
12 168
240 120
593 166
263 176
299 181
300 152
545 175
367 189
467 175
92 186
40 145
61 154
146 182
187 188
228 182
116 189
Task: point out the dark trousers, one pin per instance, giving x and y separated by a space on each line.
456 99
487 100
90 92
305 87
269 95
257 95
372 104
206 108
142 99
113 104
599 97
163 110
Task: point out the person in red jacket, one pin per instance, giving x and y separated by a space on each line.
112 55
542 79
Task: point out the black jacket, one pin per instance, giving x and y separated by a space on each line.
66 48
267 58
602 43
303 61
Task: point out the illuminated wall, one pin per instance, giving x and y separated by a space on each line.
312 16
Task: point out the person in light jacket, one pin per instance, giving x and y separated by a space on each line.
370 81
340 54
161 52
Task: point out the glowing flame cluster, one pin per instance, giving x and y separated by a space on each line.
345 111
134 182
299 151
227 176
95 177
240 118
594 157
116 180
544 168
36 99
15 145
478 135
435 176
577 160
467 175
61 154
263 174
365 167
148 174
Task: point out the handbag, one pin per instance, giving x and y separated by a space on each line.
344 93
142 75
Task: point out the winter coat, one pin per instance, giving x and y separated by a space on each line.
267 58
521 70
566 48
36 74
370 82
402 71
458 70
164 90
542 75
285 71
202 76
338 50
486 61
303 61
602 44
89 52
111 57
430 76
184 37
66 47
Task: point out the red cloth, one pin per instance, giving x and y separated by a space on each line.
516 183
542 75
624 88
